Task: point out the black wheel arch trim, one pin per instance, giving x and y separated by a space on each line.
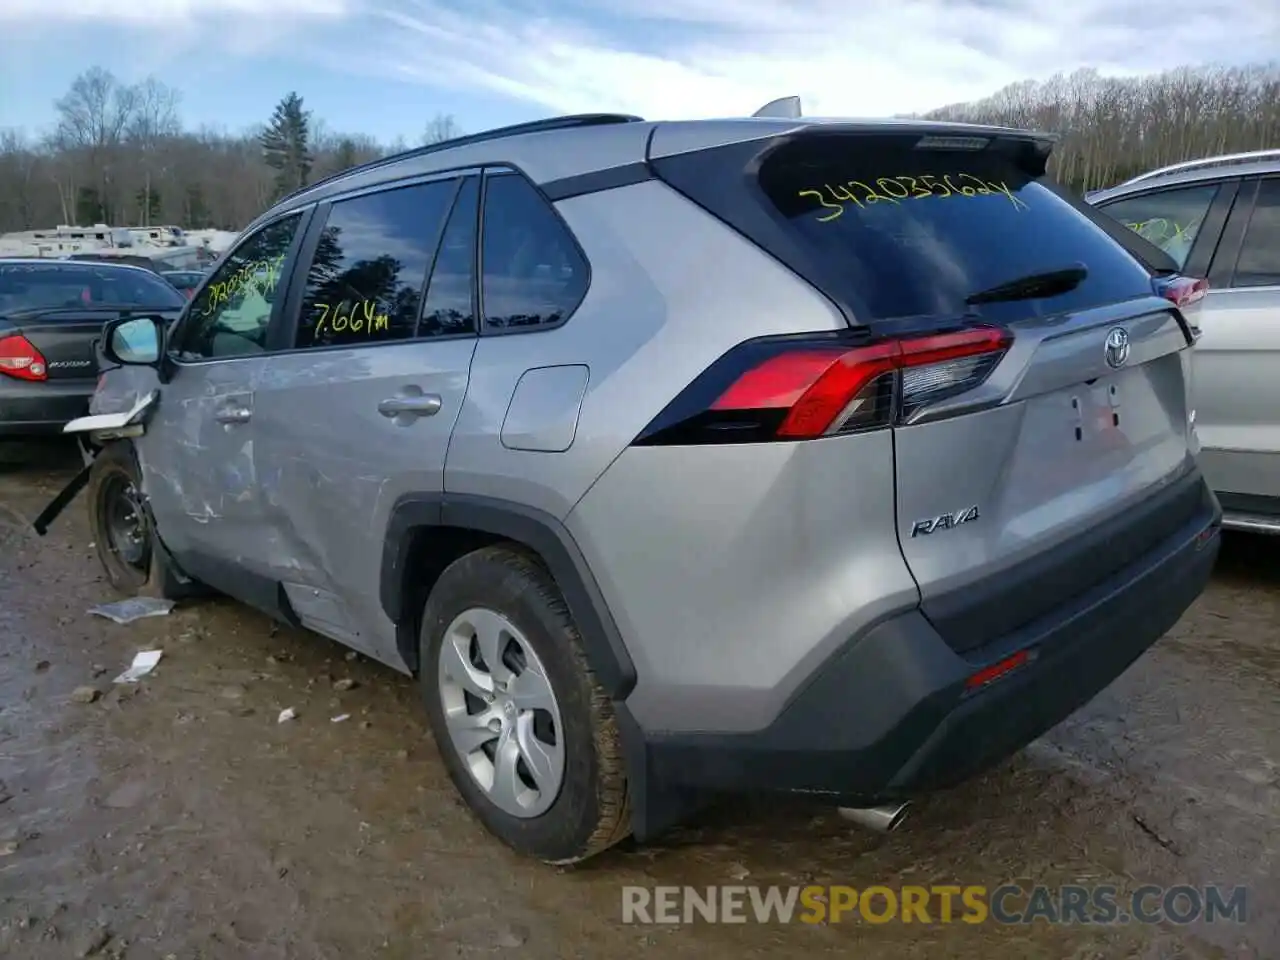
536 529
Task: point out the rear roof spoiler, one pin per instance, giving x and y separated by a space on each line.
784 108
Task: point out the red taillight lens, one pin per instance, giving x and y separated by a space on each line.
19 358
1182 292
803 389
837 390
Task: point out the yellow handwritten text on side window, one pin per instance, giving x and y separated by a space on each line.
350 317
256 276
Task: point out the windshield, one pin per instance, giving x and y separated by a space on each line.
917 232
57 285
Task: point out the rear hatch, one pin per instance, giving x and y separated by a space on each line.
1028 469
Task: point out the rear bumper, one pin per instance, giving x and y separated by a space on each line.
32 409
889 716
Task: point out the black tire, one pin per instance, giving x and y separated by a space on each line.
590 812
115 471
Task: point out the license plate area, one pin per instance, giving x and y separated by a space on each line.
1097 408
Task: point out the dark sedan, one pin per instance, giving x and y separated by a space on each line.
51 313
185 280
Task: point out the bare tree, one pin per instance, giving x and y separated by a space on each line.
439 128
154 122
120 151
1111 128
92 119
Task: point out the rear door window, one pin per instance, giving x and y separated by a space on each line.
900 231
1259 262
365 281
1170 219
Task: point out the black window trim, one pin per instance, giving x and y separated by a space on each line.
1251 188
503 170
305 216
475 262
288 330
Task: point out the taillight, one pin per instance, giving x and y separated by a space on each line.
801 389
19 358
1182 292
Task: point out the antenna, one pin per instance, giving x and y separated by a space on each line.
785 108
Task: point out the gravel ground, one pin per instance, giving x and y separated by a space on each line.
177 818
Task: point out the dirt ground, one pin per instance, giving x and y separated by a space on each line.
178 819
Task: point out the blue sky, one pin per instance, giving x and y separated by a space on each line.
385 67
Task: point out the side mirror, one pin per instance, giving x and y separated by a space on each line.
134 341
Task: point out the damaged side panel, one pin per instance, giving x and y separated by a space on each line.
129 420
197 460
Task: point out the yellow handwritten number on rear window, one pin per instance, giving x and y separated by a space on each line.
896 190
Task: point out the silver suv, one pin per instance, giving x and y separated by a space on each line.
837 458
1219 219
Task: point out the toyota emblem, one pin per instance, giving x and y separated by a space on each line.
1117 347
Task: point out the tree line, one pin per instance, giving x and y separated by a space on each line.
1113 128
119 154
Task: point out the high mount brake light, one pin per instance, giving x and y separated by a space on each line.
19 358
804 389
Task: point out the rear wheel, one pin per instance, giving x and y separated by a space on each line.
121 528
525 731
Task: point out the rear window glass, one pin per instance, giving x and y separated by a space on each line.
904 232
41 286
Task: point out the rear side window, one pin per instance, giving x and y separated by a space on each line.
365 281
38 286
900 231
1259 263
1170 219
533 272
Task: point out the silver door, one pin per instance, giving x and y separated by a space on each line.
361 410
1237 364
197 453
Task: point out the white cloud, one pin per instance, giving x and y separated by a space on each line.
692 58
164 12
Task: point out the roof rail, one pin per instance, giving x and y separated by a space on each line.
785 108
1225 160
533 126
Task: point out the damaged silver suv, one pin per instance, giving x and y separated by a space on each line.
839 458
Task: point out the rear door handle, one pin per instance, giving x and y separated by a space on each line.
423 405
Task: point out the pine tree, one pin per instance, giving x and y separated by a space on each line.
346 156
285 146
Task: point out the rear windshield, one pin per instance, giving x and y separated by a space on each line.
43 286
902 231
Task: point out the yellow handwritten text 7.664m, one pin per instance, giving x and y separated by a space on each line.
900 189
361 316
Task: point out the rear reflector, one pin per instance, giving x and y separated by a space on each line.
20 359
1002 668
801 389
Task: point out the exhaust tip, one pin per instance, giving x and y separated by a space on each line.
882 819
